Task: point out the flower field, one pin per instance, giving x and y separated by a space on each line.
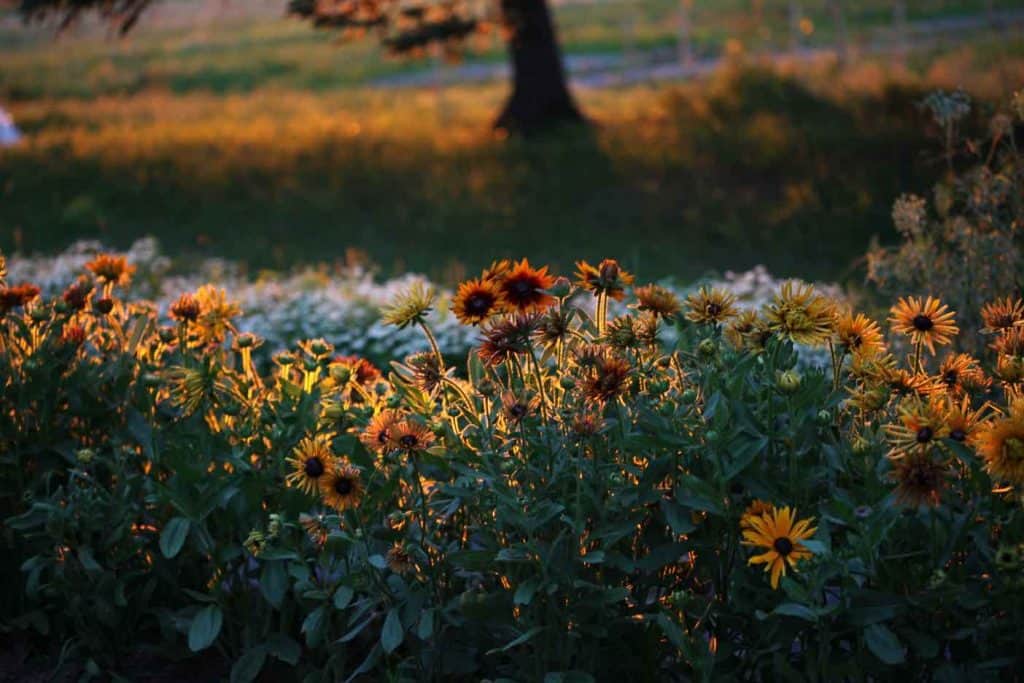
539 474
614 480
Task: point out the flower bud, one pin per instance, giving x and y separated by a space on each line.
789 381
707 348
561 288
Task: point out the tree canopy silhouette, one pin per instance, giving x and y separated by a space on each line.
540 96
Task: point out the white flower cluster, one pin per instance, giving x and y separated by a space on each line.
339 305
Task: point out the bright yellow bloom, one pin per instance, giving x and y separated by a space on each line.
780 533
310 461
859 335
921 424
1000 442
411 306
342 487
799 314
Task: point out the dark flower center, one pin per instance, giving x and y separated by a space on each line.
951 376
958 435
925 434
783 546
713 309
517 411
314 467
521 288
383 436
343 486
408 441
855 341
479 304
923 323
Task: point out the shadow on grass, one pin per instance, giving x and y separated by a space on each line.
753 169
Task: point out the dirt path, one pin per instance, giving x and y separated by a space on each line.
623 68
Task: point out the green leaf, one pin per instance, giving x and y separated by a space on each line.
426 626
247 667
172 538
284 648
795 609
87 559
343 596
524 592
884 644
205 628
314 625
274 582
517 641
392 635
677 517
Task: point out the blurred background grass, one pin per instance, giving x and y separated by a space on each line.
253 138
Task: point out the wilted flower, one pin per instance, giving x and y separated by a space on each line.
919 479
1002 314
658 300
185 309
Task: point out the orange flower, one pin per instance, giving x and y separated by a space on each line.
377 435
478 300
1002 314
111 269
919 479
521 288
710 306
928 322
778 531
410 436
1000 442
858 334
658 300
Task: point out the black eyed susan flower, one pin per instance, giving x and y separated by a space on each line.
586 424
955 368
76 296
111 269
857 334
919 479
497 270
962 420
1010 343
920 427
1002 314
927 322
518 407
608 379
410 436
216 316
799 314
425 370
554 325
522 288
505 337
780 533
757 508
309 462
410 307
607 278
185 309
14 297
711 306
748 331
657 300
1000 442
342 487
359 370
377 435
906 383
477 300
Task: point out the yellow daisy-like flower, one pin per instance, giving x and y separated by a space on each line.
921 424
342 487
757 508
477 300
409 307
216 313
779 531
410 436
962 420
377 435
1000 442
957 368
1002 314
748 331
310 461
709 306
859 335
799 314
928 322
656 299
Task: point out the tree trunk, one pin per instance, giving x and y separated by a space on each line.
540 94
